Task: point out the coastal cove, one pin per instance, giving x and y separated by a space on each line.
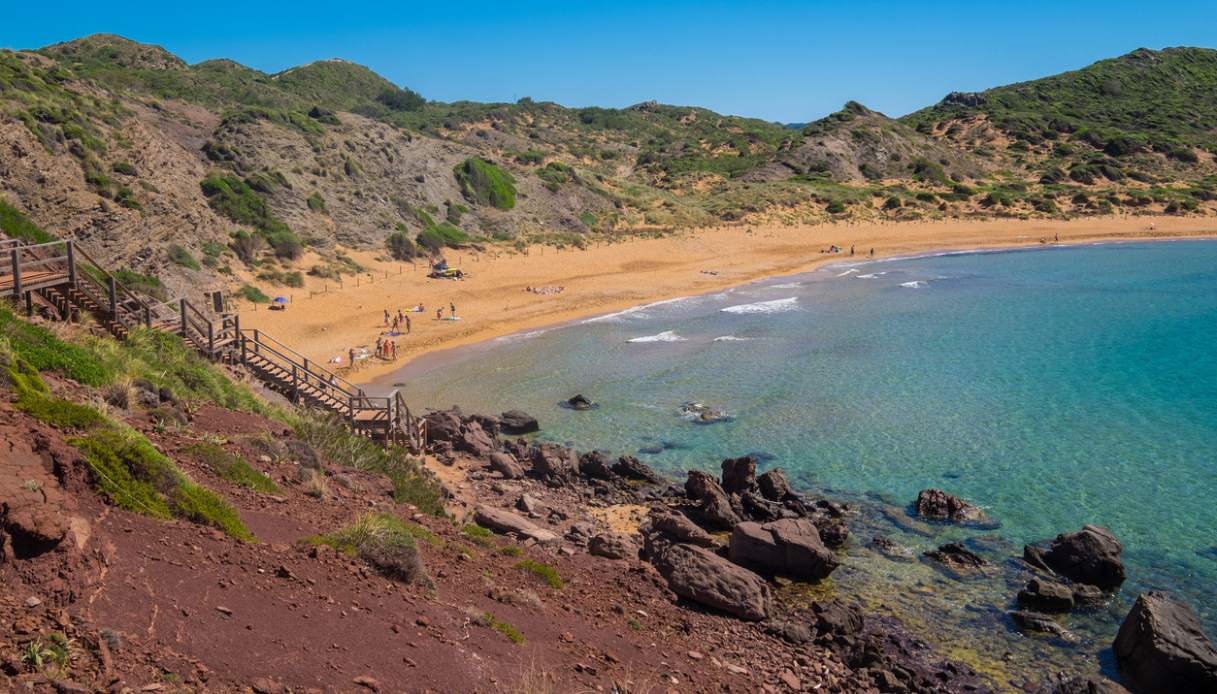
1053 387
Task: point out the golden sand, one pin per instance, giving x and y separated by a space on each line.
325 320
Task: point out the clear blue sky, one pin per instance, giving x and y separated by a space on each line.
785 61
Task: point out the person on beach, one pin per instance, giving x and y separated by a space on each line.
386 317
872 253
401 317
407 325
452 309
379 347
351 359
394 343
851 250
439 313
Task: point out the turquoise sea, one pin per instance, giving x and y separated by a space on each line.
1054 387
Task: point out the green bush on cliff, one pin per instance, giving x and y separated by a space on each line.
441 236
384 541
412 483
484 183
46 352
237 200
14 223
230 466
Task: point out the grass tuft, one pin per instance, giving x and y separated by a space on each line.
231 467
545 572
384 541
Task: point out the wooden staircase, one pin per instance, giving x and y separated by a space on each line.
61 278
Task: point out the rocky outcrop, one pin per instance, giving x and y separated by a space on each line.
703 577
1062 684
504 521
935 504
1090 555
1161 647
774 486
739 474
596 465
630 468
676 527
505 464
1041 623
556 465
789 547
580 402
517 423
715 507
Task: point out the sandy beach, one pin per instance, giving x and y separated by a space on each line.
324 320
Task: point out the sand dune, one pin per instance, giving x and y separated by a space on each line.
606 277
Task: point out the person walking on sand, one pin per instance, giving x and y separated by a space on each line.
351 359
394 343
851 250
407 325
452 309
386 317
439 313
872 253
379 348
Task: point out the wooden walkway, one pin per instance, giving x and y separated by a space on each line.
63 282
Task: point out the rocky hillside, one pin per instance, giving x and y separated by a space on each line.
216 173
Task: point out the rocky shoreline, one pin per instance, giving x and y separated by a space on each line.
725 544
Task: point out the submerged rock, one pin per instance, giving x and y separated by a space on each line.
1162 648
580 402
1090 555
1046 596
702 414
956 557
1034 621
935 504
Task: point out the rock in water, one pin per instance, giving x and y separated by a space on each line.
696 574
1161 648
957 558
789 547
936 504
580 402
516 423
1046 596
1034 621
596 465
1091 555
739 474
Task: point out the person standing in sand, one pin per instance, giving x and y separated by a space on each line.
407 324
439 313
351 359
386 317
452 309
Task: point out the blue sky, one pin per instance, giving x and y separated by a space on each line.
784 61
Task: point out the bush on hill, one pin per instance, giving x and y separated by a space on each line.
484 183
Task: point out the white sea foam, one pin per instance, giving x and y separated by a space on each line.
788 285
732 338
665 336
915 284
850 271
521 336
774 306
871 276
637 311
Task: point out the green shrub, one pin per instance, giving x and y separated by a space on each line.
532 156
17 225
233 198
384 541
478 534
252 293
545 572
399 245
180 256
401 99
503 628
555 174
125 168
316 203
440 236
45 352
412 483
484 183
230 467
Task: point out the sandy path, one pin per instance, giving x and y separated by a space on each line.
610 277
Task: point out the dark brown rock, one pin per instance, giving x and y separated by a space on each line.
516 423
1044 595
1161 647
956 557
936 504
505 464
631 468
739 474
612 546
703 577
789 547
596 465
1090 555
774 485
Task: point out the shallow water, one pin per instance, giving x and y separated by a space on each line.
1054 387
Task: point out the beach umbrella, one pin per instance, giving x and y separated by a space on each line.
280 299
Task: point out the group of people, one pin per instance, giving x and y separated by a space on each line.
544 290
386 349
837 249
400 321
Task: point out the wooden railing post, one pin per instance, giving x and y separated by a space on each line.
112 288
147 316
211 339
182 313
16 259
71 263
295 385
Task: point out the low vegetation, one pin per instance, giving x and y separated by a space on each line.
235 199
384 541
230 466
486 184
545 572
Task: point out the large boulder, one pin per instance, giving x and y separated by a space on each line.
716 510
504 521
739 474
474 440
490 423
701 576
612 546
789 547
631 468
936 504
443 425
506 465
1090 555
676 527
1161 647
774 486
517 423
580 402
554 464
